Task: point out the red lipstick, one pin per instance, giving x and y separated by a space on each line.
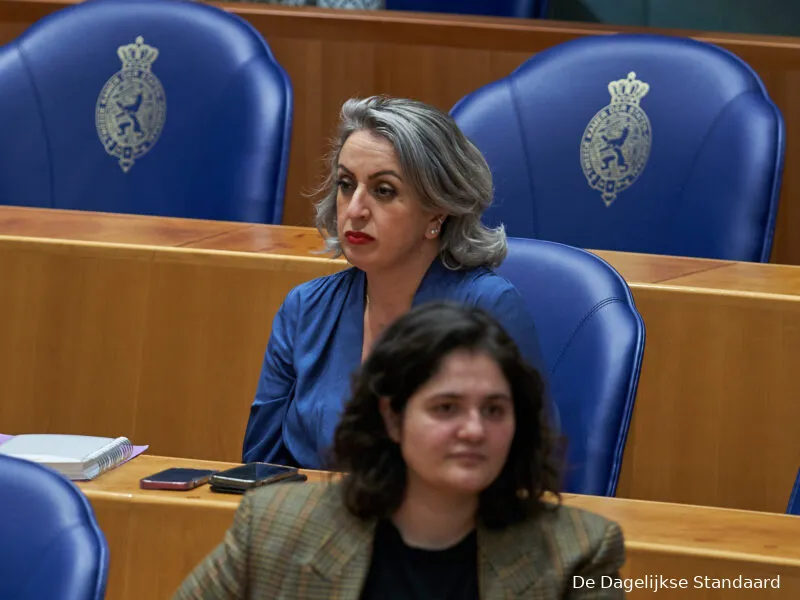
358 237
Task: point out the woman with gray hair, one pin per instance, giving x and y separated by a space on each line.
403 204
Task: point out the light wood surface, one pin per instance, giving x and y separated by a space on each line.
160 337
332 55
156 537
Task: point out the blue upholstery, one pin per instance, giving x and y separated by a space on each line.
222 152
496 8
592 339
50 543
794 499
707 186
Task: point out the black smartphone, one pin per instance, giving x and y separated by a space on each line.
246 477
176 479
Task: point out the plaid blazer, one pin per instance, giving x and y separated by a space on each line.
297 541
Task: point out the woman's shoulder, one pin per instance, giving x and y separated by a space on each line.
490 282
320 290
564 518
325 284
558 544
490 290
476 283
573 533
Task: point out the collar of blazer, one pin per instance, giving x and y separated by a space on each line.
510 560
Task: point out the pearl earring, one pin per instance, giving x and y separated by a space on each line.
434 231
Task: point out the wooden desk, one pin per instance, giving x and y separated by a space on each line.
331 55
157 537
160 337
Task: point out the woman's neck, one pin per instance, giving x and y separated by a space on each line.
433 520
390 292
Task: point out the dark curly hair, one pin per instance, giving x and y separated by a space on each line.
407 355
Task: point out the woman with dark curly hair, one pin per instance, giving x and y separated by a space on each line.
451 487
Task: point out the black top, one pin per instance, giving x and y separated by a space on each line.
400 572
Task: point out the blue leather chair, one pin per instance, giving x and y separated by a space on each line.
641 143
496 8
50 543
592 340
794 499
159 107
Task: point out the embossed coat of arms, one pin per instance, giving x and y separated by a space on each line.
616 144
132 107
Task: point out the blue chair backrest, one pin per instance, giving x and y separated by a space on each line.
50 544
592 340
794 499
640 143
160 107
496 8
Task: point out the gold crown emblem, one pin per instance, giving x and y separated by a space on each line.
138 55
629 90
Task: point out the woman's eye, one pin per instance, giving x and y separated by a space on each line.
496 410
344 185
385 191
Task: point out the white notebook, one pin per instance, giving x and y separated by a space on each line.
78 457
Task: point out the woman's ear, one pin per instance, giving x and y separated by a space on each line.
390 419
434 226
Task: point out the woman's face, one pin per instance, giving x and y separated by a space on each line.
456 430
380 219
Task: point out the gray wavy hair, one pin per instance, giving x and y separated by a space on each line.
448 172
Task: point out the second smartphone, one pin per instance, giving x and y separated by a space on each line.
246 477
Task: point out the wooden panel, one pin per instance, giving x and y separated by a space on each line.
716 399
306 243
109 227
651 268
331 55
124 530
73 321
165 344
158 537
764 279
282 240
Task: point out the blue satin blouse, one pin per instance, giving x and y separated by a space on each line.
316 344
